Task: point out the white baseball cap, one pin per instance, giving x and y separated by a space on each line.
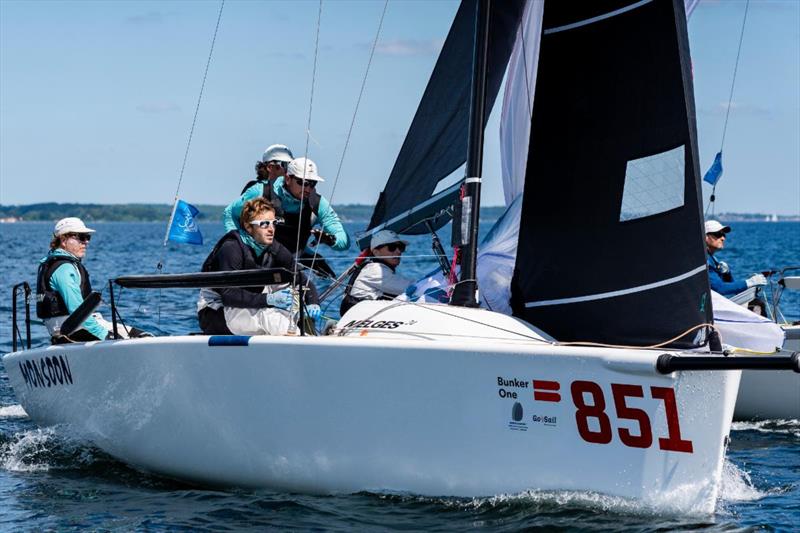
385 236
70 225
303 168
713 226
277 152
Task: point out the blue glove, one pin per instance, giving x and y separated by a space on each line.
281 299
313 311
410 290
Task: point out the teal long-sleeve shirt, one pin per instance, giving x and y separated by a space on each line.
327 217
66 281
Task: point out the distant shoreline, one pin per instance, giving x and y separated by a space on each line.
349 213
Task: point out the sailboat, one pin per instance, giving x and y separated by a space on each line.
602 380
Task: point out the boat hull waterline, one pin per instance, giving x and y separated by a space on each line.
339 415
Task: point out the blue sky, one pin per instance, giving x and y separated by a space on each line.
97 98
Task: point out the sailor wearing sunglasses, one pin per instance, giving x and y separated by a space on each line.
296 200
62 283
251 310
377 277
720 276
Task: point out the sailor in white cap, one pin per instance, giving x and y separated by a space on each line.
301 207
272 166
377 278
719 273
62 283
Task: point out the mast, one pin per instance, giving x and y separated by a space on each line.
465 226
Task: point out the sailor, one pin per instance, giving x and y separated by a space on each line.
287 194
271 167
377 278
251 311
62 283
719 273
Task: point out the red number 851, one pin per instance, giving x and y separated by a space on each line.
641 439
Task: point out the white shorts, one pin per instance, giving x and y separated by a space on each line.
264 321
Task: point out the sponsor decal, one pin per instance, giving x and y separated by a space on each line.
378 324
545 420
516 423
47 371
507 384
545 391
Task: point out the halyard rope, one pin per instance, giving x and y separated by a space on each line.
308 135
352 122
711 204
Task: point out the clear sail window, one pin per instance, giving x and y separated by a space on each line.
653 184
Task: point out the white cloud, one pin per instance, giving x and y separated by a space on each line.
410 47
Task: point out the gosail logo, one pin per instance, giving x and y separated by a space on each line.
46 371
516 423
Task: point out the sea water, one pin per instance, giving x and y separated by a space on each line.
48 481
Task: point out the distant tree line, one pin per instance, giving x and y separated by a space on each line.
160 212
140 212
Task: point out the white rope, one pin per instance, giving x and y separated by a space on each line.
352 124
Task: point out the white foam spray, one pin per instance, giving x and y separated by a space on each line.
12 411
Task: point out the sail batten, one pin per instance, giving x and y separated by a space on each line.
621 292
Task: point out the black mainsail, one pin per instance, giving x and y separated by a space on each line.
610 244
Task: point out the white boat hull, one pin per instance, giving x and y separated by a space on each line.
374 412
771 395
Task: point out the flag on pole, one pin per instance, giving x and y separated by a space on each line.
715 172
183 227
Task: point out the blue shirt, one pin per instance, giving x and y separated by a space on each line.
327 216
66 281
721 278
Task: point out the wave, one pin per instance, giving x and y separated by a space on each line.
778 426
12 411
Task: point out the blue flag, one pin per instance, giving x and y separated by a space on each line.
715 172
184 227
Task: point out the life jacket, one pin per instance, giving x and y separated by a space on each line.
348 300
49 303
286 233
250 261
253 182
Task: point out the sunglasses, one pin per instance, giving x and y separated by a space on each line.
717 234
308 183
266 223
82 237
395 246
282 164
263 224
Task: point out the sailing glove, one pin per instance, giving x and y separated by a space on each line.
323 237
313 311
756 280
281 299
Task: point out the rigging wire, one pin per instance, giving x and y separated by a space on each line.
160 264
308 136
353 120
712 199
191 134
